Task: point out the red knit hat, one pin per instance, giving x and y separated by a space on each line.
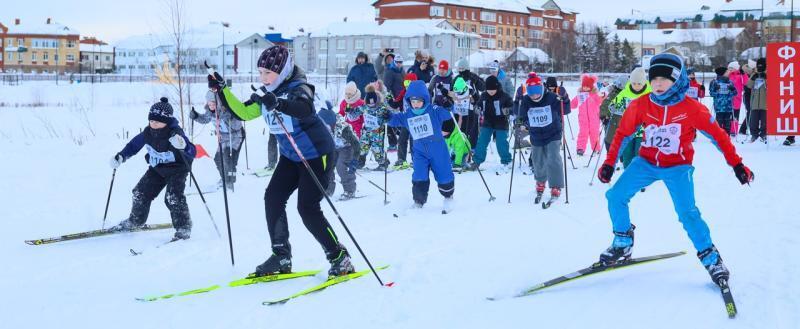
588 81
533 79
444 65
411 77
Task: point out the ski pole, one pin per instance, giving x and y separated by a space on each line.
564 151
279 119
564 138
108 200
569 123
589 163
224 180
244 136
595 170
491 197
386 165
373 184
513 161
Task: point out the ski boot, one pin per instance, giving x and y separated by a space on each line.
340 263
621 248
447 205
579 152
789 141
275 264
539 192
125 226
712 261
182 234
555 193
382 166
347 196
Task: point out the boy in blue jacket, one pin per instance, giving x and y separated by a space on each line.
170 155
723 91
429 152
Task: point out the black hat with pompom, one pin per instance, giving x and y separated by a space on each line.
161 111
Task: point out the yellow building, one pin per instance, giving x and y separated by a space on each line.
39 48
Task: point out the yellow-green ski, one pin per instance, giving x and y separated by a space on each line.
326 284
250 279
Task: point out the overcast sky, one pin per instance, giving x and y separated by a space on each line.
114 20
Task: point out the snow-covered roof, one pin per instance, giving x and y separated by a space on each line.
394 28
533 54
706 37
707 13
54 28
518 6
753 53
483 57
96 48
208 36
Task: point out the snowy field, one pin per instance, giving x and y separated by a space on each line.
55 178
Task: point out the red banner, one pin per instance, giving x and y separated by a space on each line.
783 80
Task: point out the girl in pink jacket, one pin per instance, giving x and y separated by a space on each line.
739 80
588 103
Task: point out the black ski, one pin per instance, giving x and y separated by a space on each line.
730 306
95 233
593 269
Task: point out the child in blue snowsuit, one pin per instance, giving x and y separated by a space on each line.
424 122
723 91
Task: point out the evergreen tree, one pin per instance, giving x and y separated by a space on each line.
616 54
629 59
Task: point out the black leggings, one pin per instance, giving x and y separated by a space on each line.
288 177
148 188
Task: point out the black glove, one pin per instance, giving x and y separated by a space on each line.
605 173
604 120
440 87
216 82
743 174
265 98
193 114
447 101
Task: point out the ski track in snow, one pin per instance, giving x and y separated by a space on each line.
443 266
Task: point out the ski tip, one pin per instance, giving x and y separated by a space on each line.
395 215
389 284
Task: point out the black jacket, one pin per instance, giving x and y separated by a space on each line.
496 110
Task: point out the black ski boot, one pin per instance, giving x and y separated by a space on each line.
621 248
275 264
340 263
712 261
125 226
789 141
182 234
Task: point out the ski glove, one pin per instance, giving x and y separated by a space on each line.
265 98
117 160
743 174
605 173
216 82
178 142
193 114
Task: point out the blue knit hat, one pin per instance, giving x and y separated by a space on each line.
161 111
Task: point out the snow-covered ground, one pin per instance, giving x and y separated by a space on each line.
55 177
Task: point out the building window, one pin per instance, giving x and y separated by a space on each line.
515 20
473 29
359 43
488 43
437 11
536 34
70 58
45 56
458 26
323 62
565 25
449 13
463 43
20 42
323 44
488 16
473 16
413 43
70 44
458 14
395 43
376 43
649 51
500 19
10 56
10 43
108 58
508 44
341 44
33 56
536 21
488 29
515 32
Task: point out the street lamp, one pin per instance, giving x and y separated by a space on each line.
224 25
641 28
252 58
327 57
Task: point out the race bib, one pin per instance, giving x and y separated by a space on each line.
370 122
582 97
759 83
420 126
692 92
665 138
724 89
156 158
540 116
496 105
462 107
273 122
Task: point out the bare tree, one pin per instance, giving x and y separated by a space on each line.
175 24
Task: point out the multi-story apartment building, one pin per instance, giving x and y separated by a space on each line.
502 24
45 47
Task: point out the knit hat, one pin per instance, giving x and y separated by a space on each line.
690 71
210 96
665 65
734 65
761 65
398 59
551 82
494 66
274 58
161 111
409 77
534 85
720 71
620 82
462 64
363 55
351 93
492 83
444 65
588 81
638 75
751 63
